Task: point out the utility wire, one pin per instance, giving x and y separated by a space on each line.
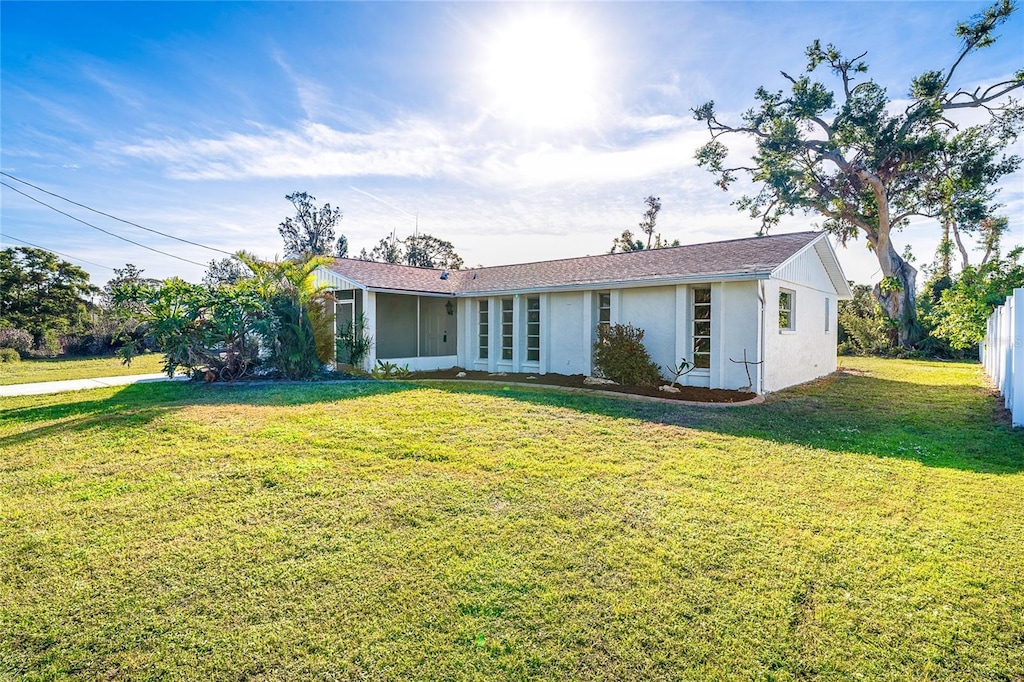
112 234
114 217
80 260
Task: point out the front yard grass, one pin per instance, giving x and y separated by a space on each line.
59 369
866 526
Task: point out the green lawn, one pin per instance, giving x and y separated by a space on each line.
59 369
868 526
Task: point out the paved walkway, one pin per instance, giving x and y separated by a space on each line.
44 387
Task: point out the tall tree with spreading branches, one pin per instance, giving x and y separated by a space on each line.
849 157
418 250
311 231
626 242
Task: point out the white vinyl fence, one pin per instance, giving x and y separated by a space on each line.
1002 353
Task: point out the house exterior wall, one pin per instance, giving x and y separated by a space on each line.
568 338
808 351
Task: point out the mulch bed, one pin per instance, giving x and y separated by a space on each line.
689 393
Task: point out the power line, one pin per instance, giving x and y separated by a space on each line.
112 234
114 217
80 260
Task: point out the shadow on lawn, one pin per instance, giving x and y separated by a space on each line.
951 426
137 404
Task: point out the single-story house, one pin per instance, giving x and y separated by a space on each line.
764 305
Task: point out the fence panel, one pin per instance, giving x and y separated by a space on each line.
1002 353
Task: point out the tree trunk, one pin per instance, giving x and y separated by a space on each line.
897 294
960 245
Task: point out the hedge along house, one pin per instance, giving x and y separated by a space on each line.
763 307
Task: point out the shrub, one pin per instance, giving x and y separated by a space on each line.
18 339
9 355
621 356
48 345
353 342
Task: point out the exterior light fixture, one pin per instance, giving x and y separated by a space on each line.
450 308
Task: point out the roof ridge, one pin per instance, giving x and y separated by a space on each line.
642 251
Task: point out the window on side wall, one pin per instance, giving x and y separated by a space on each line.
604 308
533 330
506 329
702 328
484 330
828 314
787 316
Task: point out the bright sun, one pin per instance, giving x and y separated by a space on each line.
541 71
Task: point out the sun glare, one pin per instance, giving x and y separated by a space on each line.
541 71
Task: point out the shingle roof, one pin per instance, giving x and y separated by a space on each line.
737 257
397 277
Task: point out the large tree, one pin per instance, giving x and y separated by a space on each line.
852 157
626 242
41 293
311 231
419 250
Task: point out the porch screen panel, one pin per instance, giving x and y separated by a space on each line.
533 330
484 331
702 328
506 329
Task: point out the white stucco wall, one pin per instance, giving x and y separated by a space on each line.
740 322
652 309
568 342
809 350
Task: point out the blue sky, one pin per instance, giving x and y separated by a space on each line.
516 131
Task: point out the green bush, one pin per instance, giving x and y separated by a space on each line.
48 345
621 356
353 342
9 355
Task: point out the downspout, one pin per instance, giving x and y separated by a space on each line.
760 340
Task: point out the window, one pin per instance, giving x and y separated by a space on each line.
604 309
828 314
506 329
484 329
702 328
786 317
533 330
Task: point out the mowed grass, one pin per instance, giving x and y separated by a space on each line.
866 526
60 369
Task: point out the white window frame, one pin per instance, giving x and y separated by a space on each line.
789 311
693 329
483 329
507 328
533 340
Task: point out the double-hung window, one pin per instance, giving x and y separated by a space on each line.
533 330
506 329
604 309
484 329
702 328
787 319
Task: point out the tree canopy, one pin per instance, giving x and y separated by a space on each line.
627 242
311 231
42 294
848 154
418 250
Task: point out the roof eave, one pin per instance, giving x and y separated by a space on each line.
624 284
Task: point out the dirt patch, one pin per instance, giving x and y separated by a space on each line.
688 393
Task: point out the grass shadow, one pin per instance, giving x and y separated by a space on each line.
956 425
140 403
939 425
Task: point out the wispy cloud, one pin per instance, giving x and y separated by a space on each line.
420 149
